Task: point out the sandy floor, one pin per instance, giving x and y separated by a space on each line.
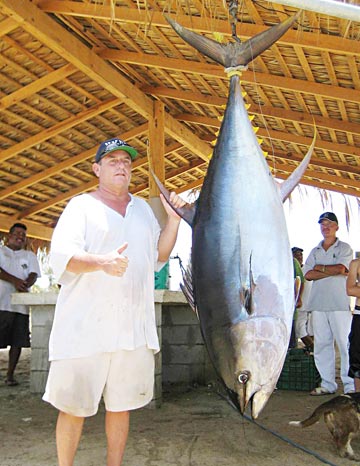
194 427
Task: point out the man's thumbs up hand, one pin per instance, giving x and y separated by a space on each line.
115 263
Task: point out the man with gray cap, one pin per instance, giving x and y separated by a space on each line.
104 251
327 267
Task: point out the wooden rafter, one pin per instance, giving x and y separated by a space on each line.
76 72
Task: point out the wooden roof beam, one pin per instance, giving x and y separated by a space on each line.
281 113
58 128
47 31
324 185
285 136
89 185
70 162
206 69
127 14
36 86
34 230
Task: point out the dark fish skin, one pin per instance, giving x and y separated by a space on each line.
234 53
242 268
241 262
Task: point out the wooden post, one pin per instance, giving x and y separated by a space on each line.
156 154
156 157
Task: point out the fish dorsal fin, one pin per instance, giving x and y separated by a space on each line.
237 53
187 212
288 185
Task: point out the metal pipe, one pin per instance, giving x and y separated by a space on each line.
326 7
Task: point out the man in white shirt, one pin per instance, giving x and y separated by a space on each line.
19 270
105 249
327 267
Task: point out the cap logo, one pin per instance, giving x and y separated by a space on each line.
112 145
109 145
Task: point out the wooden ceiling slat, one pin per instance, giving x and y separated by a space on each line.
198 24
325 90
51 121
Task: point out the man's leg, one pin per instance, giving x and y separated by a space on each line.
68 433
14 355
324 351
341 325
117 429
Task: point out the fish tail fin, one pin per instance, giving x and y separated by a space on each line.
187 212
262 41
289 184
238 53
206 46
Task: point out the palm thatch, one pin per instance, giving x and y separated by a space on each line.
74 73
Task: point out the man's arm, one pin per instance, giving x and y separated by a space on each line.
20 285
169 232
322 271
112 263
31 279
352 281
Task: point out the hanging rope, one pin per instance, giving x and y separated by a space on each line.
233 9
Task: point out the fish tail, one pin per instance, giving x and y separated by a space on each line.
236 54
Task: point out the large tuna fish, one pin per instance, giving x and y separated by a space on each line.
242 267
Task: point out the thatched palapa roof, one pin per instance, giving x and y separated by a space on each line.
74 73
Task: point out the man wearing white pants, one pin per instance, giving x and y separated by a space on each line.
327 267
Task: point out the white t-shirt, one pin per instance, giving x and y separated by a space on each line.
329 294
20 264
97 312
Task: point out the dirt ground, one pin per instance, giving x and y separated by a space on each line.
193 427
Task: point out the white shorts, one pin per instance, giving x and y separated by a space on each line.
125 379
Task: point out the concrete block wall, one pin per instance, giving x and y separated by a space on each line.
41 322
184 357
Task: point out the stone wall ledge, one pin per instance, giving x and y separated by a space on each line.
49 297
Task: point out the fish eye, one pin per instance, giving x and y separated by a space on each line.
244 377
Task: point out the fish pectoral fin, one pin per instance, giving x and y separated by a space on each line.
247 292
288 185
187 287
246 299
187 212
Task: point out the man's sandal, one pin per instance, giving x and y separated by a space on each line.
320 391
